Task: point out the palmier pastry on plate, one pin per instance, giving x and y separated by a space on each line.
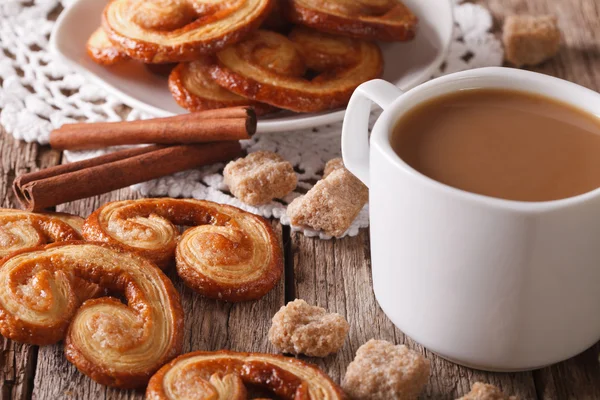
102 50
114 343
203 375
21 229
385 20
228 254
159 31
194 89
307 71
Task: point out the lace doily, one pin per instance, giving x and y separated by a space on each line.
38 94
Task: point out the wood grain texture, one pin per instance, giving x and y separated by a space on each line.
55 377
17 361
579 20
334 274
578 61
337 275
209 325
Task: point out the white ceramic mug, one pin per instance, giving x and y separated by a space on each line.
489 283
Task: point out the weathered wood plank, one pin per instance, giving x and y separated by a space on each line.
579 20
577 378
334 274
55 376
214 325
578 61
209 325
17 361
337 275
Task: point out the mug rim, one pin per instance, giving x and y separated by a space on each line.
382 131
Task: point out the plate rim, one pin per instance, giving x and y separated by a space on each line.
265 126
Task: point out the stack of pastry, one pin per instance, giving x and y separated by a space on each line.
298 55
58 271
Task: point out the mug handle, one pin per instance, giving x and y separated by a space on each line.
355 129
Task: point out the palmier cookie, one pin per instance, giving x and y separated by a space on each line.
228 254
115 343
308 71
223 374
193 89
20 230
385 20
161 31
103 51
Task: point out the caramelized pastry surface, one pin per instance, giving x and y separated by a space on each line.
102 50
222 374
386 20
159 31
227 254
307 71
21 229
193 89
43 299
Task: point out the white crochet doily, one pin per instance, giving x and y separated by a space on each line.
38 94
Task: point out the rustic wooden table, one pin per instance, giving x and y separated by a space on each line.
333 274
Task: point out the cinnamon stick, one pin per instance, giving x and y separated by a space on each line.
64 183
235 123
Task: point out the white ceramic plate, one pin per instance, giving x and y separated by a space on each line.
406 64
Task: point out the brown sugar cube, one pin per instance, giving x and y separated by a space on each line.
260 177
332 165
299 328
530 40
332 204
383 371
484 391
